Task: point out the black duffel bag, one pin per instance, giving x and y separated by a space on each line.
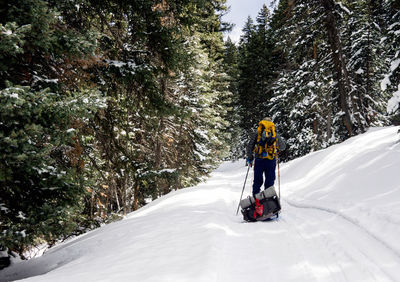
263 207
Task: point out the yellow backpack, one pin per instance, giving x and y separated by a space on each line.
262 149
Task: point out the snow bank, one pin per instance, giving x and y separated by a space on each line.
358 180
393 103
340 222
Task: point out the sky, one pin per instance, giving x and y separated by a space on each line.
239 11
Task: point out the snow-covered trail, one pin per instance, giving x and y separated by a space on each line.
340 221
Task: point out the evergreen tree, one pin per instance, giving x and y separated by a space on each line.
364 62
391 82
231 59
145 144
42 186
43 104
256 67
302 106
328 87
247 92
162 126
38 50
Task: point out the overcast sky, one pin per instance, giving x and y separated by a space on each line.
239 11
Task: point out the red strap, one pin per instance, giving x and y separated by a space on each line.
259 209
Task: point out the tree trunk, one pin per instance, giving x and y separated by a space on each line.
315 51
157 161
339 64
116 198
136 197
329 118
368 72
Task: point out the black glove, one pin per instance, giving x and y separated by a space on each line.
249 161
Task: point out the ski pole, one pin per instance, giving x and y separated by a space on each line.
244 185
279 177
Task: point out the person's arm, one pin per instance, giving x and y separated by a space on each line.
250 146
281 143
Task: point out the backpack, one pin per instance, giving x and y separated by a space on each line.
266 146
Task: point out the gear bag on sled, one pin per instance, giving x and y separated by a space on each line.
264 206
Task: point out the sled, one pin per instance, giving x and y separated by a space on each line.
265 206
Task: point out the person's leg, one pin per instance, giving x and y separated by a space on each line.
258 175
269 171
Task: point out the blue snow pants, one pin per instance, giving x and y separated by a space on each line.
267 167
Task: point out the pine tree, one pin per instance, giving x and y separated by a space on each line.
365 62
145 144
43 106
41 162
231 59
391 82
247 91
302 106
328 87
256 67
37 49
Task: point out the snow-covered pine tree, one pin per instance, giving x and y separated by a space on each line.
257 69
140 52
43 105
231 58
136 137
327 90
361 39
303 105
246 90
391 82
204 99
264 65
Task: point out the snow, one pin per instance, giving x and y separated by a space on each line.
7 32
340 221
38 78
3 208
394 65
343 7
116 63
360 71
357 53
393 103
202 133
168 170
385 82
120 64
21 215
392 26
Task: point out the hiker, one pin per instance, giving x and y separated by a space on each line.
265 144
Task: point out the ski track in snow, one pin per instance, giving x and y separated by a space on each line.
348 241
330 229
347 218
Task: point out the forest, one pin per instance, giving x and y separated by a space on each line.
108 105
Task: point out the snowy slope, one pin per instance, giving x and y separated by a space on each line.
340 222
